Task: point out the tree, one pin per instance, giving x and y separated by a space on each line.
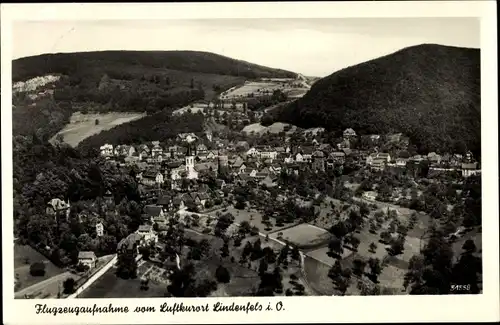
335 246
96 121
372 247
224 251
355 242
262 266
385 237
335 271
69 286
37 269
222 274
467 269
358 267
397 246
375 269
126 265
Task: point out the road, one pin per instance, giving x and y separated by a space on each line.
41 286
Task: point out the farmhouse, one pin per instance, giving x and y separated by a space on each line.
87 258
147 234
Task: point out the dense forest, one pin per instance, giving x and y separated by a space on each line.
129 61
429 92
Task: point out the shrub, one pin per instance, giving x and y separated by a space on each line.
37 269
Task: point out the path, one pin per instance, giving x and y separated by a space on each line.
41 285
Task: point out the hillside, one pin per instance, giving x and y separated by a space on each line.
110 61
430 92
119 81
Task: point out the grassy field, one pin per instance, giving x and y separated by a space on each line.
252 216
111 286
304 235
317 277
23 254
274 128
250 87
82 126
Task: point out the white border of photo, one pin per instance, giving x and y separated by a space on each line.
453 308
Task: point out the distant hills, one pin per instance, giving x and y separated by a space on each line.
429 92
124 81
189 61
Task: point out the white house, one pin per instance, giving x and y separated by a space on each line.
252 152
99 229
106 150
87 258
299 158
269 154
159 178
147 233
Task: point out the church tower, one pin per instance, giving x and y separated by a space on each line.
190 170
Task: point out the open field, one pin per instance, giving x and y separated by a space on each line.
82 126
275 128
111 286
317 277
23 254
304 235
255 88
253 217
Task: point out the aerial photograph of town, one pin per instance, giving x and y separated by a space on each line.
311 157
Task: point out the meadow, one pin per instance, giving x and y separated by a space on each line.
82 126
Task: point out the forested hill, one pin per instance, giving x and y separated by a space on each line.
430 92
111 61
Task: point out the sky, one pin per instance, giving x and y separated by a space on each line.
313 47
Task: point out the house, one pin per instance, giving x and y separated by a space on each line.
106 150
207 167
201 149
289 159
325 147
378 163
253 173
349 134
212 154
147 234
159 179
187 137
416 158
203 197
378 155
275 169
434 158
242 169
209 135
401 162
268 154
299 158
318 160
156 150
253 152
370 195
155 211
269 181
307 153
237 163
99 229
130 243
57 207
179 203
469 169
220 183
337 157
374 137
148 178
87 258
456 160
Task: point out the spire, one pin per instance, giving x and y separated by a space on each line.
189 150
